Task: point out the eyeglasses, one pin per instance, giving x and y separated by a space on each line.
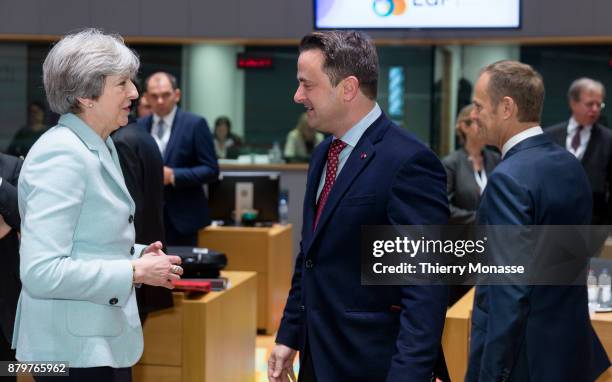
591 104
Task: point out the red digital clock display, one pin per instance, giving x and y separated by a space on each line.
254 62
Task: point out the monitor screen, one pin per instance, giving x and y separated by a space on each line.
250 190
422 14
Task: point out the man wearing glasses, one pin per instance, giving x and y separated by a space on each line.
589 141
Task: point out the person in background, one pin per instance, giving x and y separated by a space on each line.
227 144
142 168
79 262
186 145
301 141
589 141
10 286
144 108
467 171
27 135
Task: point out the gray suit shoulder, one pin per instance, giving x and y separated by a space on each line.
453 158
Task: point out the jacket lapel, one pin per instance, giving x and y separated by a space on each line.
107 153
148 122
588 152
560 136
174 134
353 166
314 176
358 160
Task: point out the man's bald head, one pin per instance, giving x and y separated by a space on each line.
162 92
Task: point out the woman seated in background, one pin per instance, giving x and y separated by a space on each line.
79 262
26 136
301 141
227 144
466 174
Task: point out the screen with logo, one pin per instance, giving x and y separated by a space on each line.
399 14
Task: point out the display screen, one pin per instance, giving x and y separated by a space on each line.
422 14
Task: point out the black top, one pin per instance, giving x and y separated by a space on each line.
142 168
10 285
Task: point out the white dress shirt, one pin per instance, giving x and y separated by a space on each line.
520 137
168 120
351 138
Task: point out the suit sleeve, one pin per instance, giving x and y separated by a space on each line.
507 203
53 187
457 215
290 326
8 195
205 168
418 197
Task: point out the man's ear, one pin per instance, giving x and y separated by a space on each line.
350 88
177 94
509 107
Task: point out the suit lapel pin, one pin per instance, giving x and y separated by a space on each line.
364 156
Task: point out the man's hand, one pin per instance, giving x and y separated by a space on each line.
168 176
280 364
4 228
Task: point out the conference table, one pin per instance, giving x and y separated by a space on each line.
456 336
204 337
265 250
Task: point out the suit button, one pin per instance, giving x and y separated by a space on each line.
131 219
309 264
302 308
132 250
113 301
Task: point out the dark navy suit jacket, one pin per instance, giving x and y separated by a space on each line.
355 332
535 333
142 168
191 154
597 162
10 284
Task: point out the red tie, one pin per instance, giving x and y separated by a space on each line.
330 176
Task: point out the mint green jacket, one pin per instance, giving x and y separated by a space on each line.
77 239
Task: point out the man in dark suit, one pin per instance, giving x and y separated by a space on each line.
368 172
186 144
525 332
142 168
590 142
10 285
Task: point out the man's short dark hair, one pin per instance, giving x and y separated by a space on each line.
171 78
346 53
521 83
